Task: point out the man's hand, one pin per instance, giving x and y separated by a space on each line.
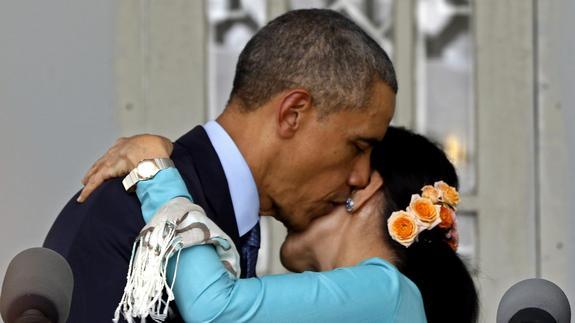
124 155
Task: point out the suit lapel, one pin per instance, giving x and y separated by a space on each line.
202 171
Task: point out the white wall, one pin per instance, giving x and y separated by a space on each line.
56 109
556 112
561 64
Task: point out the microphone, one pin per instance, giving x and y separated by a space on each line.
534 301
37 288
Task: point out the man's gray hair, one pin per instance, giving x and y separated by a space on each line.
316 49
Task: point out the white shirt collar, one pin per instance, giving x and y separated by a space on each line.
243 190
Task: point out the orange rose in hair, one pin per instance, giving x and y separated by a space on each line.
431 193
425 211
449 194
447 217
402 227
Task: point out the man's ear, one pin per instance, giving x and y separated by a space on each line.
363 195
292 107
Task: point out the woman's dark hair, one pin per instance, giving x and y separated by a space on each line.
407 162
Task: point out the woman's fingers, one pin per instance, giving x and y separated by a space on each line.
93 182
105 168
91 171
110 154
102 172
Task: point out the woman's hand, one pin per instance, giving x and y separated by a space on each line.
124 155
339 239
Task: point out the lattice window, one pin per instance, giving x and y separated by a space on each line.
374 16
231 24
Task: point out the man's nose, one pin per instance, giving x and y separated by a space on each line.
359 177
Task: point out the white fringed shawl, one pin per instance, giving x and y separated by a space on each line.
178 224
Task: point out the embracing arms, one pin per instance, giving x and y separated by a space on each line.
204 291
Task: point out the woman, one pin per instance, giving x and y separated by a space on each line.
366 273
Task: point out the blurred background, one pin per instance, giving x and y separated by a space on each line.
490 80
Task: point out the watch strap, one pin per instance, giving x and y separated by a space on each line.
132 179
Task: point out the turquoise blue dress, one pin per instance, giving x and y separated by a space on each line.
371 291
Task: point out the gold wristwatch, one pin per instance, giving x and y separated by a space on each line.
146 169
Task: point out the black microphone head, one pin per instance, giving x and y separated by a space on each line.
534 301
37 279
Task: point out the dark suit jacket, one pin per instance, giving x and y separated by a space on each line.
96 236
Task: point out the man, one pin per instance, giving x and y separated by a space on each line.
312 93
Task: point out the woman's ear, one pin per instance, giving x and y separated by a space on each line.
363 195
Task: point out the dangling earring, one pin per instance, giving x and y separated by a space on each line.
349 205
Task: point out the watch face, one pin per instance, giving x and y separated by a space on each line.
147 169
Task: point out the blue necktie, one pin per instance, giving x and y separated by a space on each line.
249 251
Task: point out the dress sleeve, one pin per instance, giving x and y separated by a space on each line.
364 293
205 292
155 192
